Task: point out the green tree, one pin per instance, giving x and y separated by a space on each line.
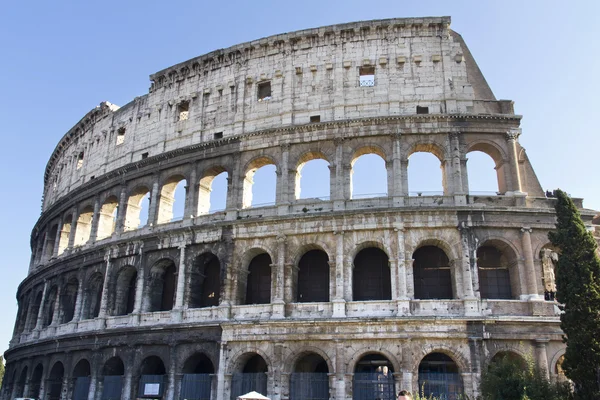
578 289
1 369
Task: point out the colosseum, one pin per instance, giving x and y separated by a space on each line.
338 297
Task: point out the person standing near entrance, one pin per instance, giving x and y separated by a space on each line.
404 395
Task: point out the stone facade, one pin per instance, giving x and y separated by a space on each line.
361 297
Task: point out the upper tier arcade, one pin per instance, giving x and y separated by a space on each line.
394 68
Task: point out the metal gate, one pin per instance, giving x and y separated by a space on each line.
112 386
446 386
242 383
373 386
54 389
196 387
82 388
309 386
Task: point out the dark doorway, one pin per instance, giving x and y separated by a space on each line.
431 271
371 279
313 277
258 287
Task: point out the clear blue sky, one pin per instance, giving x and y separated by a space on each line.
60 59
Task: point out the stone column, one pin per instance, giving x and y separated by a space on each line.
103 312
277 279
529 264
282 195
235 188
139 289
153 210
95 219
339 303
121 211
56 317
93 384
170 392
401 294
57 238
456 181
221 371
541 356
341 180
79 301
512 137
404 176
397 190
348 279
407 361
465 262
73 232
40 316
181 273
340 387
127 384
191 195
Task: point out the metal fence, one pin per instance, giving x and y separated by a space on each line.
195 387
112 387
309 386
373 386
444 385
242 383
82 388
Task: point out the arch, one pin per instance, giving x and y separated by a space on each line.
136 210
153 377
162 284
107 219
65 232
311 363
152 365
20 383
497 267
509 355
36 381
205 281
81 374
373 377
432 274
51 298
113 367
492 149
295 356
196 381
207 200
258 284
83 229
368 173
318 170
55 381
439 375
313 277
51 242
82 368
309 379
173 192
125 290
500 161
68 299
426 173
252 375
483 177
92 296
250 171
371 277
35 309
22 314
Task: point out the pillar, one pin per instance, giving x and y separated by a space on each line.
56 317
530 272
139 287
105 287
191 195
121 211
340 387
397 190
181 272
342 182
277 279
339 303
283 183
154 197
541 357
512 137
79 301
40 316
407 361
95 219
74 217
221 371
456 181
465 263
170 392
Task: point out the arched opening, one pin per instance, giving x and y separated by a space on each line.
84 226
81 374
212 191
509 356
125 291
432 275
171 205
371 278
36 382
310 378
549 257
112 379
205 281
368 176
68 298
252 377
93 296
153 378
196 382
260 183
161 286
258 286
65 232
20 384
138 206
312 177
313 277
33 315
373 378
482 174
48 316
439 377
107 220
425 175
50 242
22 315
494 274
55 381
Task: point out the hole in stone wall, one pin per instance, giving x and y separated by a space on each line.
183 110
312 179
368 177
120 136
366 76
80 160
481 170
422 110
315 118
264 91
218 135
425 176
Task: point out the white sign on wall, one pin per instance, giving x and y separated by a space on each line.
151 389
